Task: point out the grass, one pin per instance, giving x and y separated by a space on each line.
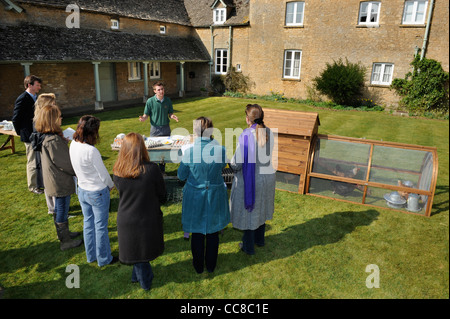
315 248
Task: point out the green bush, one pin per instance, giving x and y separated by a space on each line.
424 89
341 82
236 81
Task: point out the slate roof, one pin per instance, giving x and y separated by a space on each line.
172 11
63 44
201 13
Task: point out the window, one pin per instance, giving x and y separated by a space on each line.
134 71
221 61
292 62
414 12
382 73
294 13
369 13
238 68
155 72
162 29
114 24
220 15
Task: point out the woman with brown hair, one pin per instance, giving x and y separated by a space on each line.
253 189
139 217
57 170
94 185
205 208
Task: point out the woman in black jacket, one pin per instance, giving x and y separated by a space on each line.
139 218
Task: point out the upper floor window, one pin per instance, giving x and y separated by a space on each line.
162 29
369 13
382 73
294 13
114 24
292 62
220 15
155 70
221 61
414 12
134 71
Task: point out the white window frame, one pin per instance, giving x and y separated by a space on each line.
378 76
114 24
298 9
162 29
369 13
134 71
155 70
221 61
292 65
219 15
415 11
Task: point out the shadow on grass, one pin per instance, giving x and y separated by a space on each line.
294 239
114 281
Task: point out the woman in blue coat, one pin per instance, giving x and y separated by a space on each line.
205 209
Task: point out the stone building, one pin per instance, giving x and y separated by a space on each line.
120 47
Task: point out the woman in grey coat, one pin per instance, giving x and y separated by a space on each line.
253 189
57 171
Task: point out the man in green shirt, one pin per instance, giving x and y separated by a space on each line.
160 110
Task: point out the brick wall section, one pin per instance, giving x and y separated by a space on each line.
330 32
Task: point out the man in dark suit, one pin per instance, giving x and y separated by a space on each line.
23 124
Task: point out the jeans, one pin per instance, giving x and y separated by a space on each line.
62 209
142 273
200 256
95 208
252 237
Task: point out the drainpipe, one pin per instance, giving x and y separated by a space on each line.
230 37
427 31
211 63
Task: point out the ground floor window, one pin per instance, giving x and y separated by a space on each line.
292 63
221 61
155 70
382 73
134 71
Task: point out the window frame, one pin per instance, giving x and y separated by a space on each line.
132 75
369 13
414 12
154 66
223 61
291 75
382 73
115 25
295 23
219 15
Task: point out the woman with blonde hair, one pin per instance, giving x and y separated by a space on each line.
42 100
139 217
253 188
57 170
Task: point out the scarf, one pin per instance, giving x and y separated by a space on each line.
247 144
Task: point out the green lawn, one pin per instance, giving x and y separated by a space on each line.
315 248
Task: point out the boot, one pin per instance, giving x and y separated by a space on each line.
71 234
62 230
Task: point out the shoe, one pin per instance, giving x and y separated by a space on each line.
62 230
37 191
114 260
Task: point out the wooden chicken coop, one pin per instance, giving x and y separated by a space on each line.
374 173
293 146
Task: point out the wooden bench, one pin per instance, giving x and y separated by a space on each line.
9 140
